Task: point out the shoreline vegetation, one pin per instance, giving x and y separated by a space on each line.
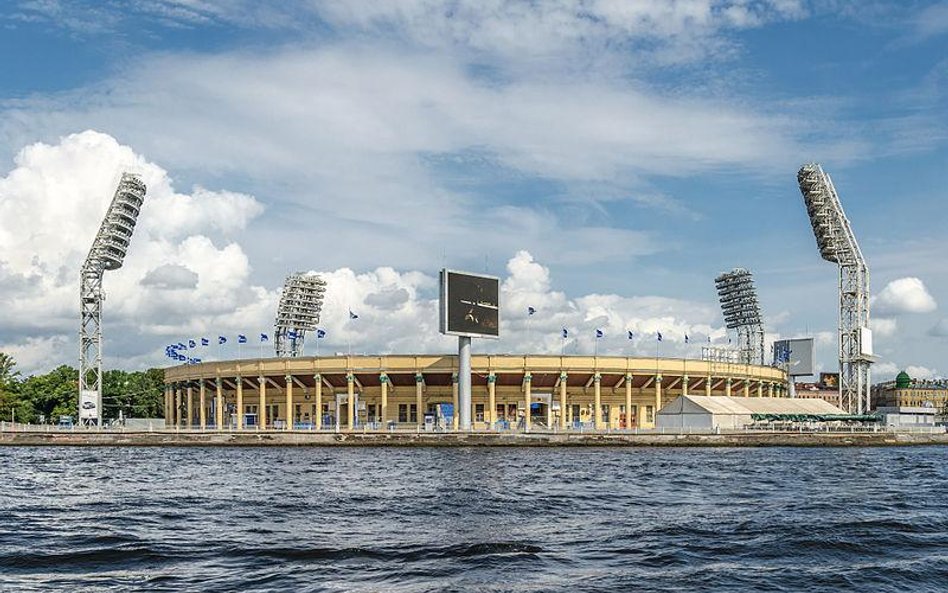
172 438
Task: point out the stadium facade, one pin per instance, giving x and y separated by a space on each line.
417 392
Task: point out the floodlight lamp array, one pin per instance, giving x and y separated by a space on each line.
301 302
111 243
298 312
738 298
821 200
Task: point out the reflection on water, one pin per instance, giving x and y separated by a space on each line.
364 519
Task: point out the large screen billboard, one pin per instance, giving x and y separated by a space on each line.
795 355
470 305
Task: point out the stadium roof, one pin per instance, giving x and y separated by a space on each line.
746 406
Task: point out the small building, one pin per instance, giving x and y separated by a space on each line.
714 412
826 388
907 417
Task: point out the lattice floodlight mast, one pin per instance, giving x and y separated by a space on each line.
837 244
107 253
298 312
742 313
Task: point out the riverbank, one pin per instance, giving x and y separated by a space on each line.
478 439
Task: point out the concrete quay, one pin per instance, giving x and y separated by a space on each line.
183 438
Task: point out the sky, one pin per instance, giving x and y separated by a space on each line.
606 159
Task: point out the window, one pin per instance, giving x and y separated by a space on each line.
403 412
649 414
500 411
371 410
413 413
478 412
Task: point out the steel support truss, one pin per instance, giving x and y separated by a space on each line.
107 253
837 244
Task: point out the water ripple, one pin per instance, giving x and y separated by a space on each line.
512 520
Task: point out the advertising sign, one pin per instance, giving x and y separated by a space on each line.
829 380
88 404
795 355
470 305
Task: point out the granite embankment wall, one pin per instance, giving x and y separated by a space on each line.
406 439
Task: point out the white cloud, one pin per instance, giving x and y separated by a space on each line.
884 326
932 21
920 372
905 295
410 323
181 272
672 31
887 370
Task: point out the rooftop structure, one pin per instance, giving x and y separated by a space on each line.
704 412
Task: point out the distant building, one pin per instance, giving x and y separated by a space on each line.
826 389
906 392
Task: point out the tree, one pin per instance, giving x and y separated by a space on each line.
137 394
12 404
53 394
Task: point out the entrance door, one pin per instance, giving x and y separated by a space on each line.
538 414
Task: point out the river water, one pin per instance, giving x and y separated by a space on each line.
517 519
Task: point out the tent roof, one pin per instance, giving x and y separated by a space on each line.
720 404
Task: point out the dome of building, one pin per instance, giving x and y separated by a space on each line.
902 380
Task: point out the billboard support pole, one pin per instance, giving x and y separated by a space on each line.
464 382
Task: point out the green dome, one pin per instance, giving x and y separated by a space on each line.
902 380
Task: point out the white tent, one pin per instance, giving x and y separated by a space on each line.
717 411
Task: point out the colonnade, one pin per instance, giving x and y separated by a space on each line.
311 402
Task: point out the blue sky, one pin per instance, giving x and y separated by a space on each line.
633 149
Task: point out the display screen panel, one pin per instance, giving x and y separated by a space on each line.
470 304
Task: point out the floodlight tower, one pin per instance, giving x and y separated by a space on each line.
742 312
298 312
837 244
107 253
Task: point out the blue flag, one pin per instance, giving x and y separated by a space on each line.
659 336
598 333
320 333
192 344
264 338
241 339
531 310
352 315
181 346
221 340
686 338
291 334
205 342
565 333
195 361
631 335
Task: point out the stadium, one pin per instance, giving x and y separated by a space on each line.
421 392
464 392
